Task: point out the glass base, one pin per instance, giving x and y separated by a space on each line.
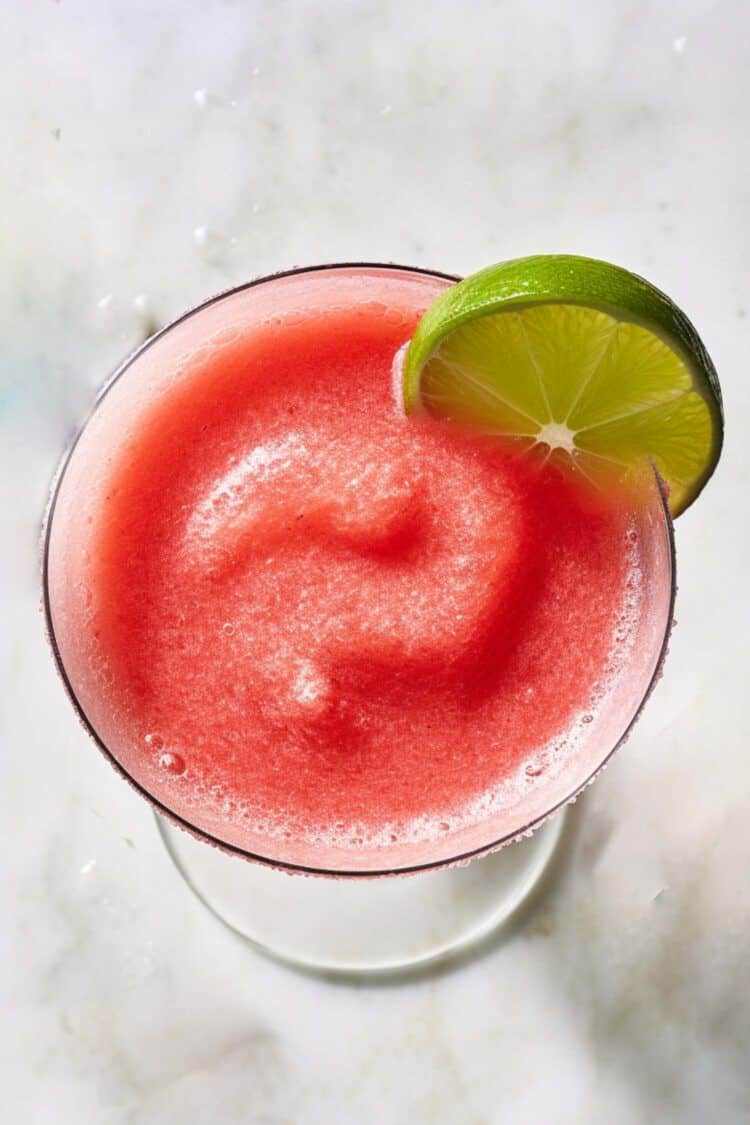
346 927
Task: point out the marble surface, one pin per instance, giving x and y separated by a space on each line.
156 152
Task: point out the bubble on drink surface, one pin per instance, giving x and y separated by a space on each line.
369 309
225 336
171 763
228 629
154 741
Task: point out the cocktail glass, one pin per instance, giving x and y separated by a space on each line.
363 915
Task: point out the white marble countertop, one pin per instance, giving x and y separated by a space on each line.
156 152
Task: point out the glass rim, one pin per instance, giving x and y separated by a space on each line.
181 822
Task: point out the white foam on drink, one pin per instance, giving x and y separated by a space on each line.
309 685
231 493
